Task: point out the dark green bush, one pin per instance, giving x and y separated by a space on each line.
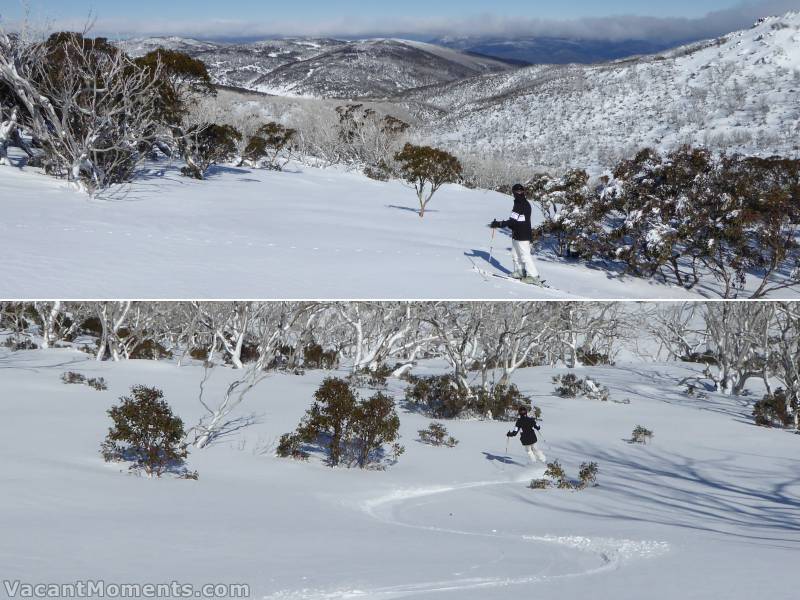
146 433
437 435
440 397
775 410
149 350
316 357
350 430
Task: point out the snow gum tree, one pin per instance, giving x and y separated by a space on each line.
736 336
85 102
427 169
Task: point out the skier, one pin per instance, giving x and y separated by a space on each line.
521 237
527 425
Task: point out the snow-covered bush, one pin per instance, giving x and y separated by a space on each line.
569 219
71 377
367 138
641 435
146 433
588 474
97 383
352 431
570 386
427 169
687 217
15 344
437 435
89 107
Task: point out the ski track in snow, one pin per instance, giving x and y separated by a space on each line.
612 553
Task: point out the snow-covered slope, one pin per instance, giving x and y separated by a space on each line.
245 233
304 233
736 93
238 65
708 510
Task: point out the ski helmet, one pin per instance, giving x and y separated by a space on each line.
518 187
522 410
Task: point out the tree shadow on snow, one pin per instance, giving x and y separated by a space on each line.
218 170
667 389
410 209
710 494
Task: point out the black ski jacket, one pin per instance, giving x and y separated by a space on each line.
527 425
520 221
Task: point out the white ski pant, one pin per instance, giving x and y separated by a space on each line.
523 261
535 454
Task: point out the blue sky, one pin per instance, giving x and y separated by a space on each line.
326 9
609 19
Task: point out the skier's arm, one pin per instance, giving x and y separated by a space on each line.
499 224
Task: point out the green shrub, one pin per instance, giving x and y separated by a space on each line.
149 350
593 359
352 431
146 433
426 169
205 145
557 474
437 435
440 397
290 446
775 410
199 353
316 357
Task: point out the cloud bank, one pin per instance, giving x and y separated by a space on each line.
611 28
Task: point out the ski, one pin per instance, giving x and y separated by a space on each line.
486 274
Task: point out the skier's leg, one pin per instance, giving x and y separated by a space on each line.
519 266
527 260
539 454
531 455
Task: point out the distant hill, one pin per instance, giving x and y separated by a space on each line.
327 68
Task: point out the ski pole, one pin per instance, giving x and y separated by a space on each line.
505 456
491 252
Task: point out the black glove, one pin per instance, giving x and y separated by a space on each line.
512 434
496 224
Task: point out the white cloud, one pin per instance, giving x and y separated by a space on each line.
611 28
